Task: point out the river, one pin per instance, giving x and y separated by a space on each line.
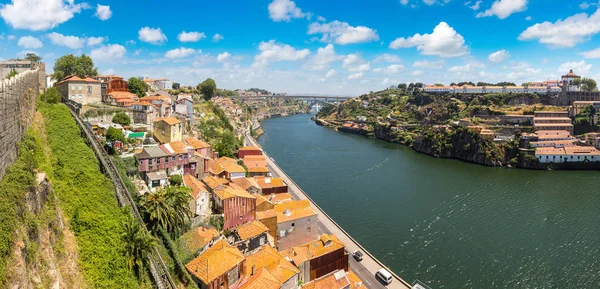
447 223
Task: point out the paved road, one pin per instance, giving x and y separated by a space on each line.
366 269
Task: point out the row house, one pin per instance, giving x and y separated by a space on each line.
219 267
184 106
226 168
256 165
143 112
250 236
174 158
203 151
283 274
318 258
200 201
197 240
269 185
168 129
120 98
161 102
249 151
296 223
238 206
81 90
338 279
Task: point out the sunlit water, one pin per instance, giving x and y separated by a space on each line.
447 223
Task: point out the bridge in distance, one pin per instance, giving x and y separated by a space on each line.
299 96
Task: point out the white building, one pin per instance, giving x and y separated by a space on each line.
568 81
567 154
163 83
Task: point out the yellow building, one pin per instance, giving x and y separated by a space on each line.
168 129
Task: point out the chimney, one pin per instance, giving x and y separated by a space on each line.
253 270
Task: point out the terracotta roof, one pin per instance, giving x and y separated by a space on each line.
251 230
570 74
177 147
250 148
580 150
245 183
334 280
198 237
168 120
230 165
196 143
262 279
266 214
553 124
75 78
549 151
214 167
256 164
229 192
268 182
355 282
213 182
293 210
196 185
279 198
268 258
215 261
313 249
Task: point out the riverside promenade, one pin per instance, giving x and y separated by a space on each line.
369 265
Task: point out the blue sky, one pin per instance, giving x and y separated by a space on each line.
312 46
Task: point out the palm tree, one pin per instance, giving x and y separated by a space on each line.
168 208
138 245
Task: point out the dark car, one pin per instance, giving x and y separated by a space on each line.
358 255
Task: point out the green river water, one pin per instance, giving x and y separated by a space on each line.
447 223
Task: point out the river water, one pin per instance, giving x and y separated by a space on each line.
447 223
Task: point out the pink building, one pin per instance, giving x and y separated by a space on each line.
238 206
174 157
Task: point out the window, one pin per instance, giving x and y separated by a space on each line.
89 89
80 87
173 158
261 241
293 224
308 229
163 132
72 87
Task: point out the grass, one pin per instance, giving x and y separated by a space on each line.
88 202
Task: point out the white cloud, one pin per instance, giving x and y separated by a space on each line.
564 33
322 59
93 41
39 14
72 42
108 53
355 75
223 56
273 52
11 37
585 5
392 69
180 53
417 73
330 73
498 56
321 18
461 69
217 37
137 52
504 8
103 12
30 42
191 36
387 58
528 18
355 63
580 68
475 5
404 2
284 10
443 42
152 35
595 53
426 64
342 33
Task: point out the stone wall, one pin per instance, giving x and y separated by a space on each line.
17 105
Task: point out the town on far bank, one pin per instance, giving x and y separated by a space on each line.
245 228
549 124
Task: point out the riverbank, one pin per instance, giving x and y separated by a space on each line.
369 265
460 143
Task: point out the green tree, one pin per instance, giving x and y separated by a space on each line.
167 208
81 66
227 144
208 88
121 118
402 86
11 74
138 245
176 180
32 57
587 84
137 86
51 95
114 134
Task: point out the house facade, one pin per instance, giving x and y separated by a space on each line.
238 206
168 129
81 90
143 113
200 201
219 267
296 224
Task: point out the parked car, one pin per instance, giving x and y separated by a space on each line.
358 255
384 276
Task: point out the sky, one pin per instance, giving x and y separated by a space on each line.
333 47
